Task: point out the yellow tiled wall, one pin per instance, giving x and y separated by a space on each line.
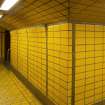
14 48
45 59
37 57
90 77
22 51
28 55
60 63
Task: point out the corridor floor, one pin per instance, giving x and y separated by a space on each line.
12 91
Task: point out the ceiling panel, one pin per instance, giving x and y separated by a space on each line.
87 11
31 12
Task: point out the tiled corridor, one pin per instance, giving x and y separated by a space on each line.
12 91
52 52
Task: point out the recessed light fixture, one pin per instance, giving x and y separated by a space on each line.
8 4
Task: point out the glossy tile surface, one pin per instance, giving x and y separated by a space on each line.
12 91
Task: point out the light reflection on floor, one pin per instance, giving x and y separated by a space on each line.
12 91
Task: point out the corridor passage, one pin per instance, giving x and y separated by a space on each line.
12 91
55 51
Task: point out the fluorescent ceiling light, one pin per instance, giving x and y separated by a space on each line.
1 16
8 4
